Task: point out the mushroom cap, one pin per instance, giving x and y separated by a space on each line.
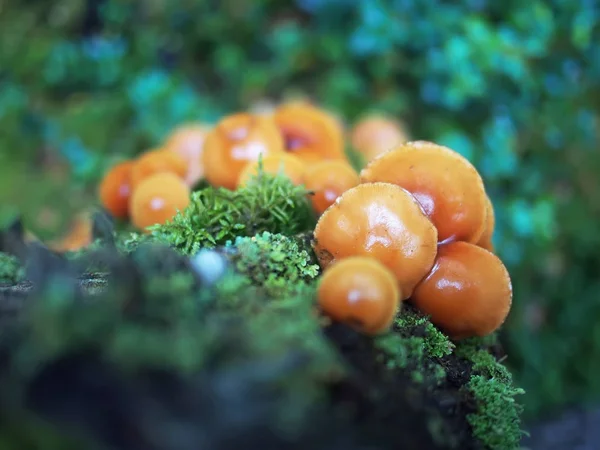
361 292
157 161
485 241
376 134
328 180
115 189
188 142
157 199
468 291
383 221
280 163
309 132
77 237
446 184
234 142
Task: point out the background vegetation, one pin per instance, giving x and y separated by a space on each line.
512 85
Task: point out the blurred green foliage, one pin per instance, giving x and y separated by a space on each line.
514 86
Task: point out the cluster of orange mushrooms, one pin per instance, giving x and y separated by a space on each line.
418 227
300 140
415 224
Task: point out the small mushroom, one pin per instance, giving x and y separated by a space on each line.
447 186
157 161
234 142
376 134
188 142
328 180
467 293
115 189
361 292
485 241
285 164
309 132
157 199
383 221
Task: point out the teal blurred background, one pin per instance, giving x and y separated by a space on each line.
514 86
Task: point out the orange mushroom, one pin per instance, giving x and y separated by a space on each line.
468 291
187 141
309 132
157 199
284 163
328 180
376 134
361 292
157 161
383 221
235 141
447 186
485 241
115 189
78 236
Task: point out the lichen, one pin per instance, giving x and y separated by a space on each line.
11 271
217 215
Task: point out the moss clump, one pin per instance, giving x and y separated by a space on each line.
273 261
413 343
217 215
11 271
496 422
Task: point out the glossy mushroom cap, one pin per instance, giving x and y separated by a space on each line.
235 141
328 180
157 199
285 164
188 141
485 241
309 132
383 221
157 161
376 134
467 293
447 186
115 189
361 292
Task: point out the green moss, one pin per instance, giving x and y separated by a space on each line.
497 422
415 344
355 158
217 215
273 261
11 270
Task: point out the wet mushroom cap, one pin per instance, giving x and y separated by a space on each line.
285 164
157 199
328 180
376 134
467 293
115 189
157 161
188 142
236 141
361 292
383 221
485 241
447 186
309 132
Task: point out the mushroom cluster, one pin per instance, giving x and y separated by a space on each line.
418 213
296 139
421 211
